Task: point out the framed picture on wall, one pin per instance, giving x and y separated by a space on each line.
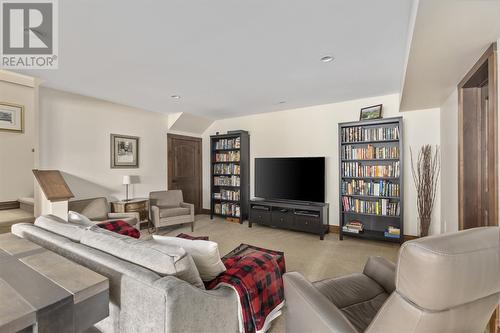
11 117
124 151
371 112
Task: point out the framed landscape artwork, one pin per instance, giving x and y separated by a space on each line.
124 151
371 112
11 117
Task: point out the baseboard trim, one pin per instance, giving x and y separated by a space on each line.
9 205
335 230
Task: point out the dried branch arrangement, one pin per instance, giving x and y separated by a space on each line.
425 176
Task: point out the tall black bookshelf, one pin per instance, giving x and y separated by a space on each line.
371 183
230 175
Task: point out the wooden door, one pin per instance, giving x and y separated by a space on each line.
185 168
478 147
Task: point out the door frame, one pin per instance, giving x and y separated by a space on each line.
489 57
198 140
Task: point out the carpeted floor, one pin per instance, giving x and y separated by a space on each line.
304 252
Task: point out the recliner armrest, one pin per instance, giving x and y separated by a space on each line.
188 205
310 311
382 271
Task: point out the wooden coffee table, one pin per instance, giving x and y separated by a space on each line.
41 291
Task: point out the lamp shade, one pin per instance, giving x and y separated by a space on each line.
126 180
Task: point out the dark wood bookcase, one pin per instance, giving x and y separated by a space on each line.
371 178
230 175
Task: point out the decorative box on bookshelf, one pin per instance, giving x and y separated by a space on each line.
230 175
371 179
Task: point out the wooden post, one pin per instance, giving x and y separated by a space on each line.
51 194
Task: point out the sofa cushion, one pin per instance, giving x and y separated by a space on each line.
161 259
77 218
171 212
59 226
356 295
96 209
205 254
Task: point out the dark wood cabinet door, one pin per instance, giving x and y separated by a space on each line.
185 168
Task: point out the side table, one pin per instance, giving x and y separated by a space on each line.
139 205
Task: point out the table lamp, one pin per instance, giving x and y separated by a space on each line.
126 182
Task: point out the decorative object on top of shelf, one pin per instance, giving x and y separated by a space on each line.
11 117
425 176
124 151
371 112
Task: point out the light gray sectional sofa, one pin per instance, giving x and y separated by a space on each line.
153 287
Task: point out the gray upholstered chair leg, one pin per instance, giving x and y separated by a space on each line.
192 226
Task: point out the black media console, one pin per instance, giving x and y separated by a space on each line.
311 218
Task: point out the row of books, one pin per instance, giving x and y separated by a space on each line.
225 208
353 227
227 181
226 169
360 134
392 232
228 143
370 152
227 195
381 188
379 207
356 169
229 156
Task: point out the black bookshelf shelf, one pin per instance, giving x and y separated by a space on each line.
371 140
367 142
235 145
372 160
370 196
373 235
377 215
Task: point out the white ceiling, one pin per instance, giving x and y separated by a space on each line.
449 37
227 58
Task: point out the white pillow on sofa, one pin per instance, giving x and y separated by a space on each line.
77 218
205 254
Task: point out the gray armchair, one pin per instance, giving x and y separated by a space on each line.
445 283
97 210
168 208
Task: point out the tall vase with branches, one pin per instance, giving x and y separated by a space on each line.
425 171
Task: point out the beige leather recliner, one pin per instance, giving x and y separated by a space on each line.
444 283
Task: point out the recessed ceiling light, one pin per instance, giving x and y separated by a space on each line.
327 58
176 97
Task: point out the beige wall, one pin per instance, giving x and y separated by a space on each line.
75 138
449 163
16 156
312 131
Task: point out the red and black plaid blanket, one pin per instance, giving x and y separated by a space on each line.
121 227
257 278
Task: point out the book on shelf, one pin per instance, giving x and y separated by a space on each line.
226 180
227 169
357 169
362 133
230 209
350 152
353 227
228 143
383 207
390 235
227 195
228 156
382 188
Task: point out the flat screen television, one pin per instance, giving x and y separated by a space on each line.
290 178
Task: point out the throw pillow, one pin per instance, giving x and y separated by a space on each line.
205 254
77 218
